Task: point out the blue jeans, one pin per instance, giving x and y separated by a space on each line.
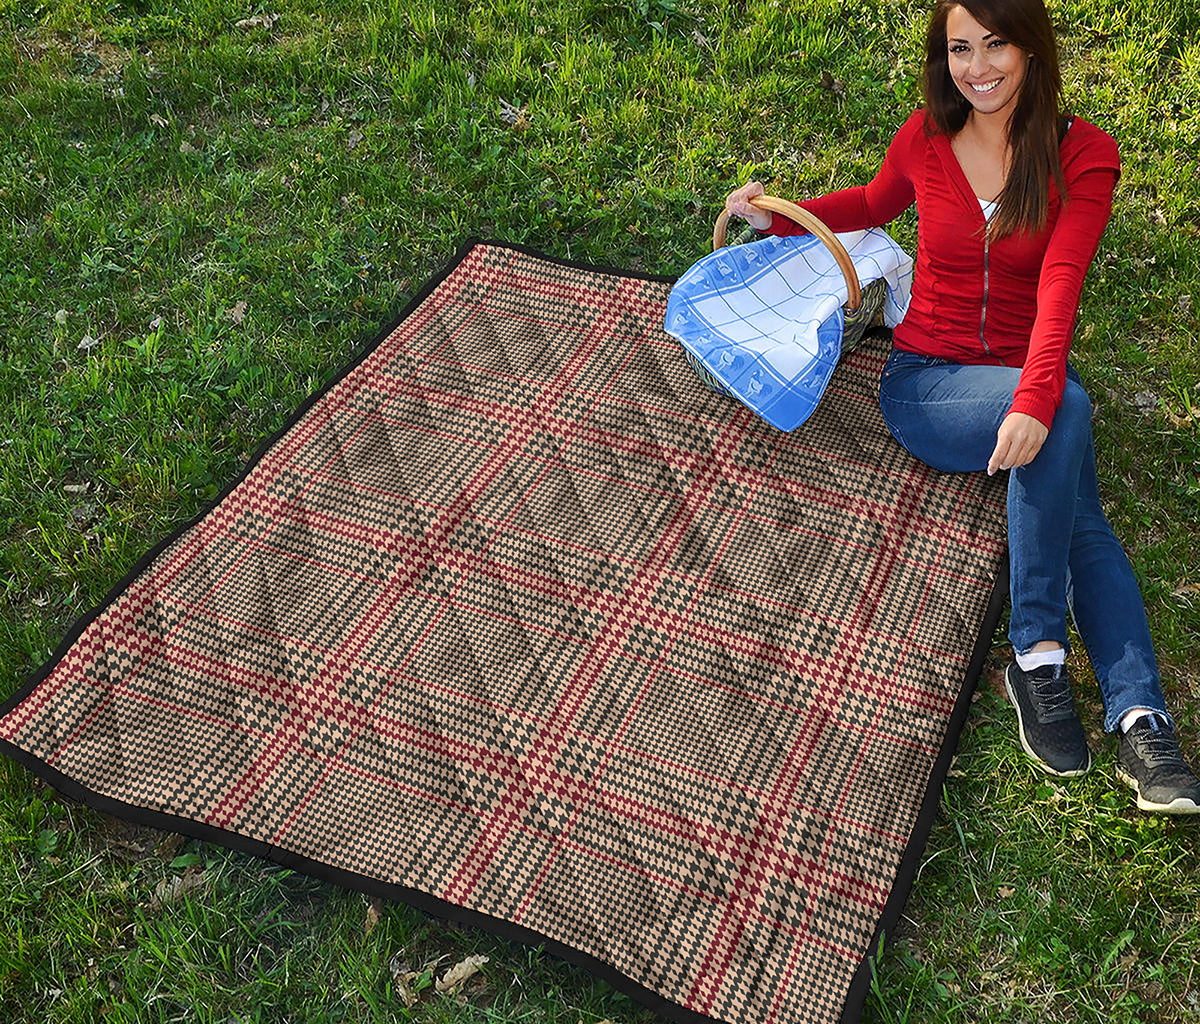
1062 551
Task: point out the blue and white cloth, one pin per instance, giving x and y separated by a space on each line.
766 318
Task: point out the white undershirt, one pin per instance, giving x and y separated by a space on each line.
988 206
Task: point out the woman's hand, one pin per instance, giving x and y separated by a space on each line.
737 203
1018 440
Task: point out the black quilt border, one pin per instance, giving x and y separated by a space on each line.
860 983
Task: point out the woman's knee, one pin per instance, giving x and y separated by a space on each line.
1073 421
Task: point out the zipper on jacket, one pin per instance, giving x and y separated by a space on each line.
983 310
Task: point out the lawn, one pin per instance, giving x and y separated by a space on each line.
205 208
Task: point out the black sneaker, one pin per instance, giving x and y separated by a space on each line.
1149 760
1050 729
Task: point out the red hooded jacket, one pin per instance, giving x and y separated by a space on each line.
1010 301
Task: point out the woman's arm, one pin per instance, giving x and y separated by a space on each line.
1072 247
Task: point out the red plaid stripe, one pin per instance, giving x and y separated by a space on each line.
521 616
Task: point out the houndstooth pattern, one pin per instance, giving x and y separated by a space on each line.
521 616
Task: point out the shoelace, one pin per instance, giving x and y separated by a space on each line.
1053 695
1159 748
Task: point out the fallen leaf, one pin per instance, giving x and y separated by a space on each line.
76 488
171 889
514 116
156 323
186 147
403 975
832 84
132 850
257 21
87 342
407 993
1005 891
238 313
354 139
60 317
995 679
1146 401
158 120
169 846
460 972
374 913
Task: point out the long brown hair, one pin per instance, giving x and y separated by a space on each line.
1036 125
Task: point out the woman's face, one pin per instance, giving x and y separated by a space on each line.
987 69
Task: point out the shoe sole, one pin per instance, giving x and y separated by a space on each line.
1074 773
1180 805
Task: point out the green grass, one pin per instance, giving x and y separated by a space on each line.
160 167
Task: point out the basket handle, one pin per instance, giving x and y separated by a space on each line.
805 219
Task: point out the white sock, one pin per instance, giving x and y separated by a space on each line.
1130 717
1028 662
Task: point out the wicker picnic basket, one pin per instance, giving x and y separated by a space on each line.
861 310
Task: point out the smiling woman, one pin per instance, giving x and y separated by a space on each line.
1012 198
984 63
997 89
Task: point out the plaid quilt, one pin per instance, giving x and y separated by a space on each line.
519 622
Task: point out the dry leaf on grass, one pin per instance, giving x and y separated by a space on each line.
238 313
374 913
1180 420
87 342
171 889
158 120
168 846
257 21
403 975
832 84
460 972
1145 401
512 115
